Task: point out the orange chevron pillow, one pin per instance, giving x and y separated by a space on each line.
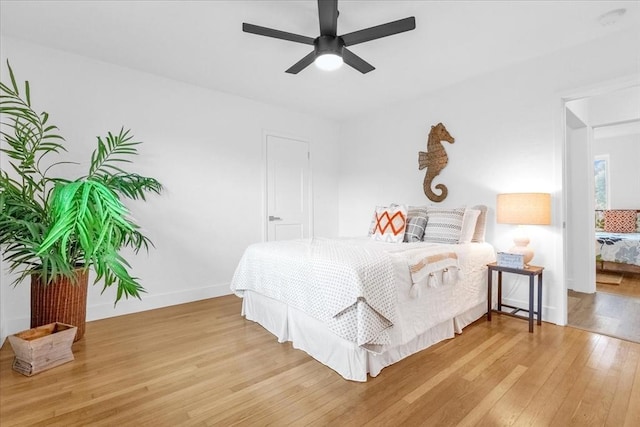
390 224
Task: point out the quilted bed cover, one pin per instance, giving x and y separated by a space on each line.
618 247
360 288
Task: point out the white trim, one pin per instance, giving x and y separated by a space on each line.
265 202
149 302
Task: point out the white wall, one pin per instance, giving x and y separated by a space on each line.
624 169
204 146
508 139
614 107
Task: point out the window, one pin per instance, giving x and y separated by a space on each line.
601 170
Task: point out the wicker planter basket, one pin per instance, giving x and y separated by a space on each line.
63 301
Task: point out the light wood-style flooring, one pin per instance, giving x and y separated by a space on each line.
203 364
613 310
629 285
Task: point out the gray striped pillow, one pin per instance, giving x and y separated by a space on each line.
443 225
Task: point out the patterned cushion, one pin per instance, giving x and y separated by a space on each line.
372 225
415 227
417 211
443 225
469 220
620 221
391 223
638 223
481 224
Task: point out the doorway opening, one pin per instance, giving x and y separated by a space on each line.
604 124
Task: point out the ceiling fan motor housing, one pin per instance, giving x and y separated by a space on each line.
328 44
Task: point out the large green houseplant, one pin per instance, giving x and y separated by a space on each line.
55 229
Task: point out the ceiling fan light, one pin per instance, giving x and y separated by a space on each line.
328 61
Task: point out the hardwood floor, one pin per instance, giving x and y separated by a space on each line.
203 364
613 310
629 285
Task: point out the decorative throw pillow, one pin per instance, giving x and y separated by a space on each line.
417 211
469 220
443 225
391 223
372 225
481 224
415 227
620 221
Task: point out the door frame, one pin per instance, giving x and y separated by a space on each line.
265 173
562 245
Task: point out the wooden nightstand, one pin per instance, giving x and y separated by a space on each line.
532 271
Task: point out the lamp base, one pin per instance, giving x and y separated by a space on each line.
522 247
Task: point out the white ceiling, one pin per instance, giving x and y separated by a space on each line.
201 42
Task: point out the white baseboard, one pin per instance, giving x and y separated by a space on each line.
148 302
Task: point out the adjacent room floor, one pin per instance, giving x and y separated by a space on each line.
613 310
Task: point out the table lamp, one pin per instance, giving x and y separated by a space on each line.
523 209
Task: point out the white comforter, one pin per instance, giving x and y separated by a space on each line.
347 286
357 286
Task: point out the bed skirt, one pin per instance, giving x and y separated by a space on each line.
346 358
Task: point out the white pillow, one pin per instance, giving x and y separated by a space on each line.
468 225
481 224
390 224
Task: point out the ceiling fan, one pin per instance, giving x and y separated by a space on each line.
329 49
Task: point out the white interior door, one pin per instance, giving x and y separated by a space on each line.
579 231
288 190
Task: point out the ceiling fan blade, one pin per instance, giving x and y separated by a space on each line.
277 34
356 62
379 31
328 14
302 64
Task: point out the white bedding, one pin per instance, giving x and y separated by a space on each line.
445 303
349 287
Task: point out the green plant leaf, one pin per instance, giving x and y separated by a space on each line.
49 225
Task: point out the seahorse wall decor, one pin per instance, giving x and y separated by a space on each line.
435 159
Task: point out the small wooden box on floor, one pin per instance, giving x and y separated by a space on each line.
42 348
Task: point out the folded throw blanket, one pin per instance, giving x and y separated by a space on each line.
432 271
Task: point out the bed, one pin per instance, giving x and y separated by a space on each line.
359 305
618 240
618 252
